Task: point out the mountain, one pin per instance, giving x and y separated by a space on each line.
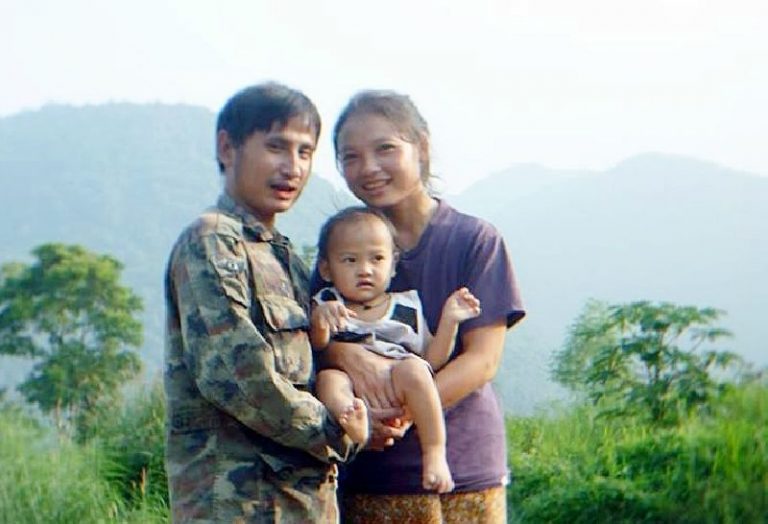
125 179
122 179
655 227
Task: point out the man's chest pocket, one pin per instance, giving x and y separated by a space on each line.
288 325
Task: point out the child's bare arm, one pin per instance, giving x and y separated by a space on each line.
327 319
460 306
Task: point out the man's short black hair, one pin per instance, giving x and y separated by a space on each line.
260 108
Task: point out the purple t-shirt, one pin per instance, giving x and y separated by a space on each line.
455 250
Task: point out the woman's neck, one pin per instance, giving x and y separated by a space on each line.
411 218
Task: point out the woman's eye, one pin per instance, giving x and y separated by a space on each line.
348 157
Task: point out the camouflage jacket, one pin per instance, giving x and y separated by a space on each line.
246 440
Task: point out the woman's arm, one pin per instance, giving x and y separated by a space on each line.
476 365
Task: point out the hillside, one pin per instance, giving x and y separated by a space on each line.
125 179
655 227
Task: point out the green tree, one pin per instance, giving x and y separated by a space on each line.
644 358
68 311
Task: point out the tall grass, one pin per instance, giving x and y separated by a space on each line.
50 479
44 480
575 467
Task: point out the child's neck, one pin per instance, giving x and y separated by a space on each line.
372 309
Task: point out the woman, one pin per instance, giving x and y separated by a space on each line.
382 146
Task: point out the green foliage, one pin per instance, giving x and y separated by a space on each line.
577 466
644 358
49 479
68 311
586 338
133 441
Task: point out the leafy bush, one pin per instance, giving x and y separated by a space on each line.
644 359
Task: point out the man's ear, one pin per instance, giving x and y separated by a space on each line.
324 269
225 149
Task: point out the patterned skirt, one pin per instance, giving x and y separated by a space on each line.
476 507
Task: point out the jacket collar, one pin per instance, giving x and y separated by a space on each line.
251 224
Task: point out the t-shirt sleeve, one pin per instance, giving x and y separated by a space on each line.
491 278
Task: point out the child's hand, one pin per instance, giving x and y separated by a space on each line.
332 316
461 305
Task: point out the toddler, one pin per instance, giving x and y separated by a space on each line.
357 255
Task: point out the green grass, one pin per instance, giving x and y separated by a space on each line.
575 467
48 479
568 467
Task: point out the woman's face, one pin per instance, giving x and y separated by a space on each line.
380 167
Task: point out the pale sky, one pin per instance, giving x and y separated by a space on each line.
576 84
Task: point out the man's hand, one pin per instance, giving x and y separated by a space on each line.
386 426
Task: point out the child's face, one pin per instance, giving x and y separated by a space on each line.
360 259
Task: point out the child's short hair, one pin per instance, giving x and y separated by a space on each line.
347 215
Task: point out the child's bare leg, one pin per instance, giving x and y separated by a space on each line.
334 389
416 389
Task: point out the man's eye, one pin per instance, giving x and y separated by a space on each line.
306 154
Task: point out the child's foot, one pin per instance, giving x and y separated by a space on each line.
436 476
354 420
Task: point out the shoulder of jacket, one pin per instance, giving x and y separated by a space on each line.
214 222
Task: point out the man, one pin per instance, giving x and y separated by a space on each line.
247 441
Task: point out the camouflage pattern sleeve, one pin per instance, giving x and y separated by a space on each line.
234 362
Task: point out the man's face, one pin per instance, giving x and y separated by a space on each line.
267 173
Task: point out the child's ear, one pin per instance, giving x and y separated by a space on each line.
324 269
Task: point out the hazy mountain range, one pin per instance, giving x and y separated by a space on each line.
126 178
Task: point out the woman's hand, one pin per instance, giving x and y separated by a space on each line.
371 377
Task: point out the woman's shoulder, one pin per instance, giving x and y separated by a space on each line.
450 218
